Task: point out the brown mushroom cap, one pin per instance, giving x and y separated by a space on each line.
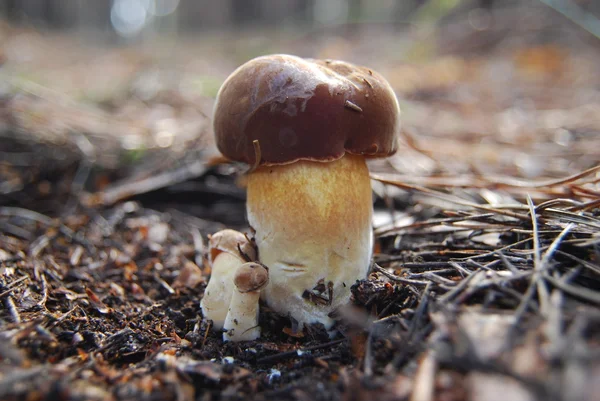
302 109
251 276
232 242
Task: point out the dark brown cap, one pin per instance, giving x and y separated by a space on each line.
232 242
251 276
302 109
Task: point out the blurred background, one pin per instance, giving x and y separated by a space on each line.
129 18
98 95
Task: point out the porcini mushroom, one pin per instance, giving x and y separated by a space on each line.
228 250
306 128
241 323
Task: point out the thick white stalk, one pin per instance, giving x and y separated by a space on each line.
219 290
313 232
241 323
228 250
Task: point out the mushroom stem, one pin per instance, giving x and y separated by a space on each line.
313 230
219 291
228 250
241 323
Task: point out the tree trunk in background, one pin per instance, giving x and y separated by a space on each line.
197 15
244 12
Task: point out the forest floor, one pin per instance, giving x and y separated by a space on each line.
485 283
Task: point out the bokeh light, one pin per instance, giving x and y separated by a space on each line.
129 17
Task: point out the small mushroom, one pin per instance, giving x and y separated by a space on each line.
241 323
307 127
228 249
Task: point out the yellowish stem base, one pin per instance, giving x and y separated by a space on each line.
313 232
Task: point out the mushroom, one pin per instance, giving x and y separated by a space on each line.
228 249
306 128
241 323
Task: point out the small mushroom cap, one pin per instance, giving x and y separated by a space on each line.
302 109
232 242
251 276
